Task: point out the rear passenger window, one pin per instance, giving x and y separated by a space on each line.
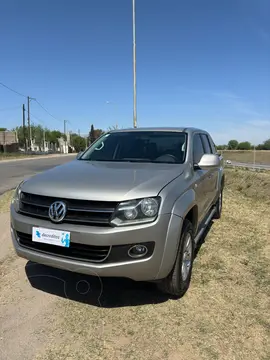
213 146
198 150
206 144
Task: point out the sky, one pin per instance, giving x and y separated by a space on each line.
200 63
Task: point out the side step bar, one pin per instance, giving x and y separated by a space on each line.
198 236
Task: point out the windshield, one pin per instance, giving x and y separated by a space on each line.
139 146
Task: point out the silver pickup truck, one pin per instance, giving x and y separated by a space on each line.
134 204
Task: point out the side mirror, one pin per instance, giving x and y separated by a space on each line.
209 161
79 154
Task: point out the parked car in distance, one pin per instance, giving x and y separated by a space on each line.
228 162
134 204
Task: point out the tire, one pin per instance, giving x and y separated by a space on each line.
218 206
177 282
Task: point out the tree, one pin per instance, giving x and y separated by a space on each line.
232 144
221 147
3 129
113 127
245 145
53 136
78 142
38 134
92 134
98 133
266 145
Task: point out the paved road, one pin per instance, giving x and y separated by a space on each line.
251 166
12 172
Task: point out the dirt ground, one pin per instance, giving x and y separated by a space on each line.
247 156
51 314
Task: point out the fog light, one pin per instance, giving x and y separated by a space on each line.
137 251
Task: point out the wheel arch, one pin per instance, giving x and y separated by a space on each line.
185 208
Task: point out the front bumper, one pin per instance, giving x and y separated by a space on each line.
164 232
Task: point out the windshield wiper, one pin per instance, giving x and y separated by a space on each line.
136 160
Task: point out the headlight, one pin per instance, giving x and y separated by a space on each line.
16 197
136 211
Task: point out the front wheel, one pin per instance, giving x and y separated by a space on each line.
177 282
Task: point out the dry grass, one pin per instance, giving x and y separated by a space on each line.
253 185
225 314
247 156
5 200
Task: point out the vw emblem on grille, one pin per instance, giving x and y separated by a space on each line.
57 211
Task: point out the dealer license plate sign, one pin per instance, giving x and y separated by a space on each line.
50 236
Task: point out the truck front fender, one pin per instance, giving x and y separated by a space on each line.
180 209
184 203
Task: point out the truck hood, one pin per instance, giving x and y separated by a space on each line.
103 181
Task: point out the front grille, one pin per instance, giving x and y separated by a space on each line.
75 251
78 211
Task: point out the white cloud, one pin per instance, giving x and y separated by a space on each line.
235 103
259 123
252 126
241 132
225 95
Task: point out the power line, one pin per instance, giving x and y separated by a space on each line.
46 110
35 117
16 92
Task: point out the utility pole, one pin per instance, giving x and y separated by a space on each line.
24 133
29 124
254 157
65 132
65 127
134 68
4 144
44 139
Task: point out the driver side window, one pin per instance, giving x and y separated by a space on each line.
198 150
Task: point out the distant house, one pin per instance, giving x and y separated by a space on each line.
63 146
8 141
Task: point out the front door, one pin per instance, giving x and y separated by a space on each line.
201 184
212 176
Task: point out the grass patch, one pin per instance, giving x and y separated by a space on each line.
225 314
251 184
5 200
247 156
